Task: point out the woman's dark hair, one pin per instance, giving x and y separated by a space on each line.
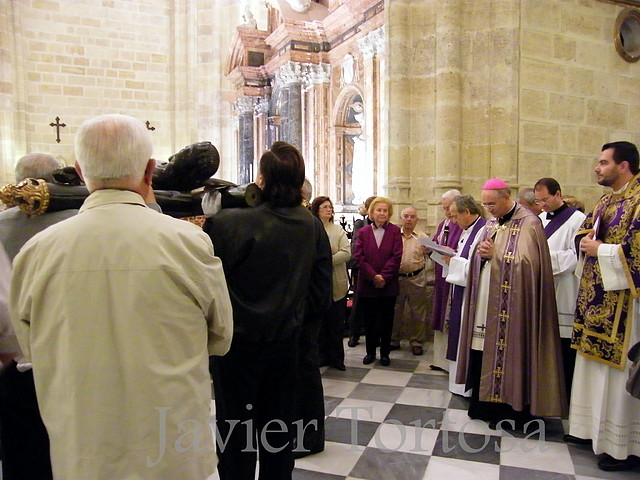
282 169
315 206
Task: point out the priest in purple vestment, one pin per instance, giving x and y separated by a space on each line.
510 342
447 234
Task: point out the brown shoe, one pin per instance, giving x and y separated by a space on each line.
417 350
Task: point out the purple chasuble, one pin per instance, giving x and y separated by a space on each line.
447 233
457 296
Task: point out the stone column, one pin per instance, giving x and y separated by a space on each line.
261 116
448 111
289 78
372 47
245 139
317 78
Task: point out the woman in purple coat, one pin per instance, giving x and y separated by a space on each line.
377 255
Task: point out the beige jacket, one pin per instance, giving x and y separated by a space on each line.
118 309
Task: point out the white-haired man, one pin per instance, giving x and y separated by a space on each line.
447 234
24 439
16 227
119 308
410 317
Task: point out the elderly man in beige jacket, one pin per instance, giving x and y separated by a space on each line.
118 309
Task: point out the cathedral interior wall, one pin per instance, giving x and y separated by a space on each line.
576 92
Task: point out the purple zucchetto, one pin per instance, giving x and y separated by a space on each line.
494 184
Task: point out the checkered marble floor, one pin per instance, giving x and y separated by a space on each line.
401 423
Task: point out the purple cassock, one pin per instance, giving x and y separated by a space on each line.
448 233
457 296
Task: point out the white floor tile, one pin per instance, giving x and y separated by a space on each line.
403 438
337 388
366 410
387 377
424 397
535 455
336 459
440 468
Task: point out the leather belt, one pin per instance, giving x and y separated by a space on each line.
411 274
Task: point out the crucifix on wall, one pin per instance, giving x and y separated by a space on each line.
58 125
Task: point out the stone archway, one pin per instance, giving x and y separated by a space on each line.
353 165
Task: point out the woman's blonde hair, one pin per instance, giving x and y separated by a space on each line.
380 200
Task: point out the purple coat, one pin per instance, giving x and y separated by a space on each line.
372 260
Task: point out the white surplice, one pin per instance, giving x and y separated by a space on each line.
601 409
563 261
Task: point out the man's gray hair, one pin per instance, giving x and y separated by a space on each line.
407 208
450 194
527 195
113 147
37 165
467 202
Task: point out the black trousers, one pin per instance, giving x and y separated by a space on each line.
569 363
254 385
490 411
355 318
330 345
378 322
309 393
24 438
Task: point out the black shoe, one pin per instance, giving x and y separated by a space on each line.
610 464
339 366
576 440
368 359
384 361
394 347
437 368
353 342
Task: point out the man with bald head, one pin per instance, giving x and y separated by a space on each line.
510 342
410 317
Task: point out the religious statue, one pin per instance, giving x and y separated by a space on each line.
361 173
348 73
300 5
249 20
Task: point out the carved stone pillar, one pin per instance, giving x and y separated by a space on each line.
289 79
372 47
316 149
261 116
448 82
245 139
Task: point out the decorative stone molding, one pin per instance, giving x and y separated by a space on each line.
308 74
373 44
290 72
245 105
262 106
316 74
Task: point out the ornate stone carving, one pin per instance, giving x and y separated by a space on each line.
262 106
315 74
245 105
373 44
290 72
308 74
